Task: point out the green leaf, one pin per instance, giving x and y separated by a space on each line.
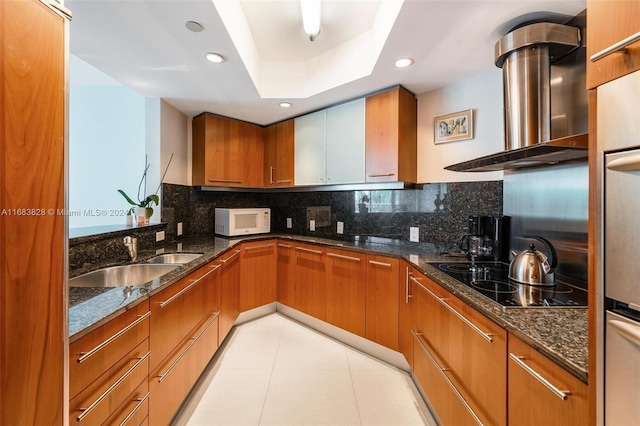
155 198
126 197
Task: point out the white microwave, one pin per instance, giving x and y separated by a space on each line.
232 222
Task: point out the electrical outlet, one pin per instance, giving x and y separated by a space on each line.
179 230
312 225
160 251
289 223
159 236
340 229
414 234
179 247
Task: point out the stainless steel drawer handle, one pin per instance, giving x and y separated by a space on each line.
620 46
374 262
444 376
85 355
187 288
194 339
629 163
308 250
136 408
86 411
340 256
264 246
284 181
271 175
628 331
230 257
562 394
283 245
225 181
486 336
383 175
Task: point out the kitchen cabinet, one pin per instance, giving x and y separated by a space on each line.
258 274
108 365
383 300
310 271
345 290
406 312
459 357
541 392
329 145
279 154
33 305
227 152
391 136
229 291
609 22
286 273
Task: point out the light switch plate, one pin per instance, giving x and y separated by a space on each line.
289 223
414 234
414 258
159 236
312 225
340 229
179 230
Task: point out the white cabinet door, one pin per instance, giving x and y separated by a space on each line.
310 149
345 150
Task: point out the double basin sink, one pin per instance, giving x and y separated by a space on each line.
134 274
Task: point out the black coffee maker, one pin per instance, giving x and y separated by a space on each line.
488 238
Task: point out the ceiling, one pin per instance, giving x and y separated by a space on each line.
145 46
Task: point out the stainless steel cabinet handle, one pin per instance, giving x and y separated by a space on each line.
258 247
187 288
188 348
620 46
136 408
487 336
284 245
230 257
628 331
85 355
284 181
383 175
629 163
562 394
271 175
407 295
86 411
444 376
340 256
225 181
374 262
309 250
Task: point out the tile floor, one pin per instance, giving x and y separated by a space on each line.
275 371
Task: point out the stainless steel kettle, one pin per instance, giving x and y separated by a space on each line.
532 266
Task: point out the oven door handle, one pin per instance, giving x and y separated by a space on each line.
628 163
628 331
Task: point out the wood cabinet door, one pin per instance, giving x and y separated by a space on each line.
310 281
279 154
609 22
383 299
381 135
345 289
406 313
225 151
286 274
253 167
258 275
531 402
229 291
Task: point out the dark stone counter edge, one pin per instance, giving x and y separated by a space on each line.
570 355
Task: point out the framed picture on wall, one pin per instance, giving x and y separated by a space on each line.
455 126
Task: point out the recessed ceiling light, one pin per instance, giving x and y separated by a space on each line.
216 58
285 104
194 26
403 62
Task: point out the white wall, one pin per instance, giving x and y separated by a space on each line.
174 139
483 94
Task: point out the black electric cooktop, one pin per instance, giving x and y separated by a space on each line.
491 279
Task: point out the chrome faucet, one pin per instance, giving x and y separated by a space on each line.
131 243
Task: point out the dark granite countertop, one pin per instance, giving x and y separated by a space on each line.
559 333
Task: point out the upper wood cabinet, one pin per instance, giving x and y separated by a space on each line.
609 22
391 136
279 154
227 152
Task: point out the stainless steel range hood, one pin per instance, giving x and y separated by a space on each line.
539 100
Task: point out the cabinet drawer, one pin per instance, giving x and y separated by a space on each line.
102 397
93 354
178 309
172 380
135 408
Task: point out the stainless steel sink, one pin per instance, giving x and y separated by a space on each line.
176 258
122 276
